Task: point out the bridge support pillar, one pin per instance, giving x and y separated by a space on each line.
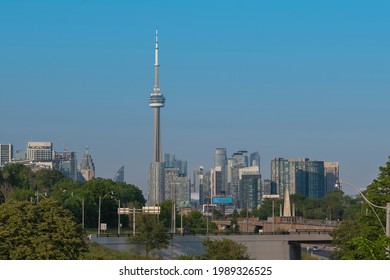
295 251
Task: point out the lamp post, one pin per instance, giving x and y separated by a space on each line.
388 219
119 215
207 220
273 197
37 194
387 208
100 206
372 205
181 220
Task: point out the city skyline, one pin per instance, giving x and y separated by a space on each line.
285 79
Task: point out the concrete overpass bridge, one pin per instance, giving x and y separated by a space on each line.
278 225
260 246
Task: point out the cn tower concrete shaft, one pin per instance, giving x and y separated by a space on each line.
157 136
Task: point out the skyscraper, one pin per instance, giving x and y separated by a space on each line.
315 179
87 167
177 188
254 159
301 176
197 187
216 179
156 171
6 154
66 163
120 175
40 151
170 161
298 176
220 160
250 181
237 161
280 175
331 175
266 187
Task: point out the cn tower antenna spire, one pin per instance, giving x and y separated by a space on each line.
156 66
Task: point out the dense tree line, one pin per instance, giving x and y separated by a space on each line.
334 206
40 212
42 231
18 182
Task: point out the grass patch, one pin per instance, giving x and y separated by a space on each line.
100 252
307 256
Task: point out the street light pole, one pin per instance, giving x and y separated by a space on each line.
388 219
207 219
100 206
100 203
82 215
273 216
181 221
82 209
388 224
119 218
372 205
387 208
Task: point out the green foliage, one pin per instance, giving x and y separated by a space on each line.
100 252
184 257
150 232
234 227
244 213
224 249
18 175
70 193
45 179
17 182
43 231
333 206
165 216
194 221
361 236
22 194
307 256
265 210
362 248
217 215
14 176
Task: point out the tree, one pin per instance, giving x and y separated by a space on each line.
234 226
45 178
150 232
334 204
194 221
225 249
43 231
14 176
361 235
70 193
165 216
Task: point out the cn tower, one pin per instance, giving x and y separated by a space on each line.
156 101
156 180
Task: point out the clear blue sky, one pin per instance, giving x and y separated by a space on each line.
284 78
